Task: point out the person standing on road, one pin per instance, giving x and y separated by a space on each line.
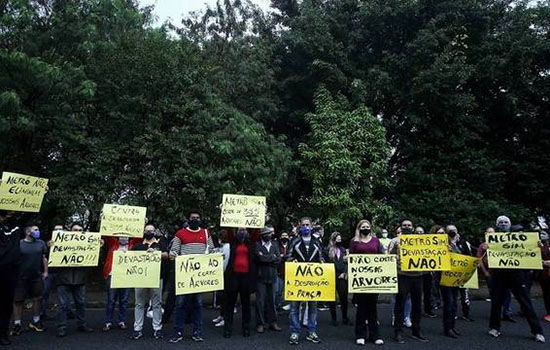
365 242
513 280
339 256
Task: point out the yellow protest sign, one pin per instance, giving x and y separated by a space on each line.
372 273
473 283
513 250
199 273
309 282
136 269
122 220
22 192
424 253
71 249
462 270
242 211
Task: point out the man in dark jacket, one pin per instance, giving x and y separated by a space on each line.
267 260
10 253
72 280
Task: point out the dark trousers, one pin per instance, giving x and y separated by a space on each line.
170 302
239 285
450 295
9 279
408 285
464 301
266 314
367 311
427 282
505 281
342 290
64 292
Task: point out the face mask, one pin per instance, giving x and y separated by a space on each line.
384 234
452 234
123 240
241 235
194 224
305 230
407 230
149 235
35 234
266 238
284 240
504 227
338 243
365 231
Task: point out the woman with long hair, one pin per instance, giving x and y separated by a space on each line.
338 255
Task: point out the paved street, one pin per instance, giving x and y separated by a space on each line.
515 336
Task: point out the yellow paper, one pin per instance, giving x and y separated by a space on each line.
309 282
22 192
136 269
242 211
372 273
199 273
463 268
122 220
71 249
473 283
425 253
513 250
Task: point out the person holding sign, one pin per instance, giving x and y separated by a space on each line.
72 280
450 294
365 242
10 256
410 283
144 295
190 240
504 279
32 271
339 256
267 260
240 280
304 248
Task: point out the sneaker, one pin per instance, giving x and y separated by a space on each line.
220 324
293 339
107 327
122 326
539 338
178 336
37 326
286 307
150 314
360 341
158 334
197 338
16 330
494 333
137 335
407 322
547 318
378 342
312 337
419 337
217 319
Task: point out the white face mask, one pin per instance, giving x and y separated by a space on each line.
384 234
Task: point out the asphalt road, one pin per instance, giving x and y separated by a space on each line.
474 335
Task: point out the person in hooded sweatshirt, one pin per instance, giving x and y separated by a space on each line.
10 255
503 280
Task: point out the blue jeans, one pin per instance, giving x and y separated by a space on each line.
294 316
279 293
120 294
78 292
196 308
407 306
48 285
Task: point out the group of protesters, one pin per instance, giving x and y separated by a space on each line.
254 261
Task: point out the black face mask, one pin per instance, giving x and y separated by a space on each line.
194 224
149 235
338 244
266 238
407 230
452 234
284 240
365 231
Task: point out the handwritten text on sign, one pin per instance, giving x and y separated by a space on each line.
74 249
199 273
242 211
309 282
513 250
22 192
136 269
462 270
425 253
372 273
122 220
